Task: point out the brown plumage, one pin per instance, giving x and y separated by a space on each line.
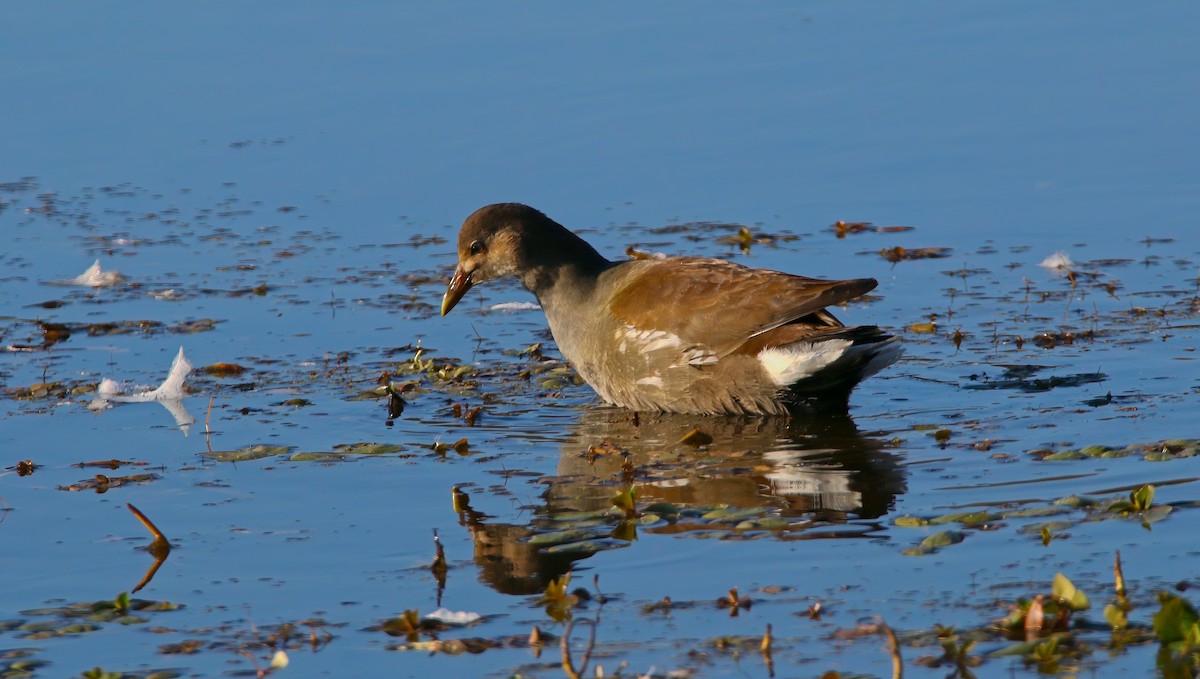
682 334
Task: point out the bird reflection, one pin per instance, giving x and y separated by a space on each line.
810 467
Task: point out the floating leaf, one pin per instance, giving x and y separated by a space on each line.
246 454
316 457
935 542
966 518
899 254
1175 620
1142 498
102 483
557 589
368 448
626 501
1064 590
294 402
407 623
1028 648
461 446
223 369
1116 616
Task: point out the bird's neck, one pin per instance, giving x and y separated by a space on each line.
560 266
562 283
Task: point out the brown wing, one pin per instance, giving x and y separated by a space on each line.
720 304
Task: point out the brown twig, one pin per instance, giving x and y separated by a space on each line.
158 534
207 420
160 548
568 666
881 628
765 647
149 574
894 647
1118 575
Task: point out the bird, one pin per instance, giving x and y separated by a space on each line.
686 335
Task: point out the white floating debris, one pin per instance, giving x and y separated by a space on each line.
1058 261
279 660
514 306
95 277
171 388
170 393
456 618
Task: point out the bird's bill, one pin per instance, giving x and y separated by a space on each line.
460 282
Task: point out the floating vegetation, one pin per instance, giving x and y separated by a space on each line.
1068 511
900 254
1157 451
744 238
86 617
935 542
222 370
102 483
841 229
368 448
255 452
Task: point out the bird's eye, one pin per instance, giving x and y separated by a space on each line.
476 247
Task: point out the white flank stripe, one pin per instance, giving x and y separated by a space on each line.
700 357
652 340
790 364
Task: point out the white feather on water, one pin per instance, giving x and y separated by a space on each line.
94 277
169 393
1058 262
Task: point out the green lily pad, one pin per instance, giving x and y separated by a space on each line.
965 518
246 454
316 457
368 448
935 542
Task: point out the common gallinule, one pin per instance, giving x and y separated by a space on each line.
676 334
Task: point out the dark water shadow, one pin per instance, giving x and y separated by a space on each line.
808 470
1023 378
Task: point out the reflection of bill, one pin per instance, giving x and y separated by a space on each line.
812 475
